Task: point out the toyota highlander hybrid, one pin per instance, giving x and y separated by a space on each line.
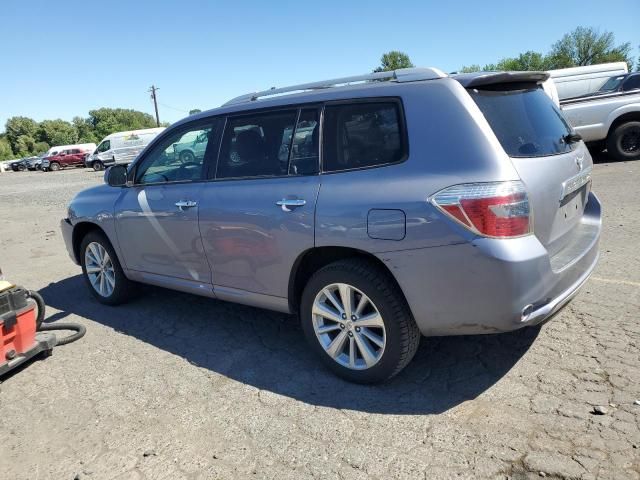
379 208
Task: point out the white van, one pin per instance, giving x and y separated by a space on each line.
578 81
121 147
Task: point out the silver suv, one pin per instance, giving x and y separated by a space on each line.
379 208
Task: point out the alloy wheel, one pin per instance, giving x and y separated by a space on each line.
99 268
349 326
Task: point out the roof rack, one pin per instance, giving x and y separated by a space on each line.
400 75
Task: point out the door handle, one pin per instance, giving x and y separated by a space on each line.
288 204
184 204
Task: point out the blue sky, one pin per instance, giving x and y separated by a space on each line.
61 59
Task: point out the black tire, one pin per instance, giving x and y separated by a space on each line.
98 166
402 334
623 143
187 156
54 166
124 288
22 168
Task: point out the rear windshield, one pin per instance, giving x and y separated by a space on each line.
526 121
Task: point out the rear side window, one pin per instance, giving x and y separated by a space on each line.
362 135
526 121
257 145
632 83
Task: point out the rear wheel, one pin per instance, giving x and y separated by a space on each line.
22 168
98 165
102 271
356 319
623 143
54 166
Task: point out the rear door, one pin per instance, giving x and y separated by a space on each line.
257 217
555 169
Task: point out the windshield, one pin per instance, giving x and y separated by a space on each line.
612 84
526 121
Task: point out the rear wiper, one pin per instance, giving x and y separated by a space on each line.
572 137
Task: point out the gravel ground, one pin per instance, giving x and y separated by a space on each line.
176 386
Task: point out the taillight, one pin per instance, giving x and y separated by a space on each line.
497 209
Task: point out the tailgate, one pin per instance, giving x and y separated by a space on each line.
555 170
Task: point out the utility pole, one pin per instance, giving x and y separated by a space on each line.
155 102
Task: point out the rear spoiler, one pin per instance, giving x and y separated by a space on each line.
481 79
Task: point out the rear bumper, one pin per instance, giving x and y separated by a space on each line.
67 234
490 285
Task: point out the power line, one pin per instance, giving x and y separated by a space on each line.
173 108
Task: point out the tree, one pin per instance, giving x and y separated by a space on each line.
57 132
587 46
40 147
194 111
17 127
23 146
583 46
5 149
108 120
84 127
393 60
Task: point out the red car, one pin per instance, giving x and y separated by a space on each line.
72 157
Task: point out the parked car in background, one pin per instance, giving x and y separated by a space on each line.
610 117
71 157
121 147
620 83
19 165
358 207
58 148
578 81
34 163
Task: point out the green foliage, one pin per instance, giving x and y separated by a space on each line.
57 132
84 127
194 111
5 149
583 46
17 127
393 60
25 137
587 46
24 146
108 120
40 147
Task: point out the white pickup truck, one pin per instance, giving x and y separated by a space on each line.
610 117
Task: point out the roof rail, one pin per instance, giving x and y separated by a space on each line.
400 75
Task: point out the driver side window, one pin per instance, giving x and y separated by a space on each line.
179 156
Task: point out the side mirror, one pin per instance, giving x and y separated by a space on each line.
116 176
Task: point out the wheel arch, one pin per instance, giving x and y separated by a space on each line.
313 259
633 116
80 230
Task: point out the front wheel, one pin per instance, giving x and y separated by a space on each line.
102 271
355 317
623 143
98 166
54 166
187 156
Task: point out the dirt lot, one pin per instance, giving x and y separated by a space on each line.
175 386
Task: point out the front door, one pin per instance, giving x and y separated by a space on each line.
257 217
157 217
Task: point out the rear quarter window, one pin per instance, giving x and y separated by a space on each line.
362 135
526 121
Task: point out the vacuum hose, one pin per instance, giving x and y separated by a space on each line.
76 327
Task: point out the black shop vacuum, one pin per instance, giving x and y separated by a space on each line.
23 335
